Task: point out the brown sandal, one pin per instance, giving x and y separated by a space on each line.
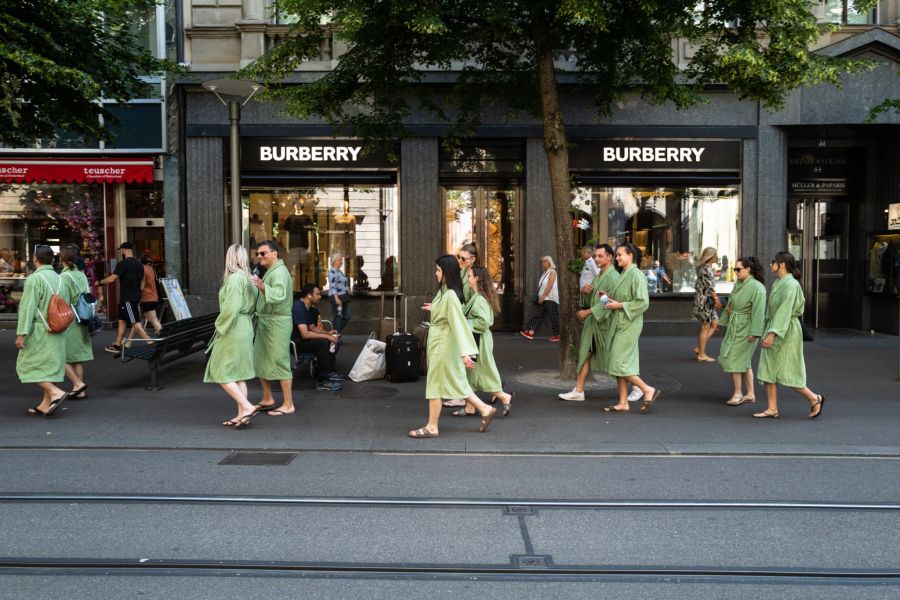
648 404
766 415
820 404
612 408
486 420
422 433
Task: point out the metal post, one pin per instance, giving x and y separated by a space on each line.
234 116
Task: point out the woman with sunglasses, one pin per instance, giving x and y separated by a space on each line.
743 320
467 257
781 361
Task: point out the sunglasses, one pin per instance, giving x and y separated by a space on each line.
458 257
739 269
263 253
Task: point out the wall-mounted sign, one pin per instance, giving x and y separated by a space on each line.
894 216
656 155
818 171
302 154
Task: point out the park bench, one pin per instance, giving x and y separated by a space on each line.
175 340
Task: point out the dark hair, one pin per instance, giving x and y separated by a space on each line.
607 247
272 244
451 277
789 262
43 254
634 251
486 287
307 289
67 255
754 266
471 249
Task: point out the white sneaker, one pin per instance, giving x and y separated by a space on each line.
573 396
455 403
635 394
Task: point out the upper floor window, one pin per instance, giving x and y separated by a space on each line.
843 12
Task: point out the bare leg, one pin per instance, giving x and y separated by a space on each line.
480 406
583 374
267 399
120 333
637 382
622 384
706 331
73 375
736 380
748 384
244 407
287 403
139 329
153 320
772 397
434 413
243 386
51 393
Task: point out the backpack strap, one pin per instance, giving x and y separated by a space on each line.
52 293
72 277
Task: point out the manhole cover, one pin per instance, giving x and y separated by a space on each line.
663 382
365 392
549 378
532 562
253 459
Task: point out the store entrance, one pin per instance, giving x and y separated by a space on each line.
819 239
490 217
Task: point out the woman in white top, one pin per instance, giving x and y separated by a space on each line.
547 301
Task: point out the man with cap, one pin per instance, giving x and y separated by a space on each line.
130 275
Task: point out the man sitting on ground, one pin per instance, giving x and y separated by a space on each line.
309 337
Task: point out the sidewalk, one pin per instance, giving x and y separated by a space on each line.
857 372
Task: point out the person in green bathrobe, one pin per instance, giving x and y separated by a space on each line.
743 320
231 347
591 351
42 355
272 348
781 359
78 338
467 257
450 350
628 301
479 312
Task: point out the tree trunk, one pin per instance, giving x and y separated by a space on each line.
557 149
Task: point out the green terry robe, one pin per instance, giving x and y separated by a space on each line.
78 338
231 348
272 348
480 317
44 356
744 316
467 291
783 362
596 324
449 339
622 354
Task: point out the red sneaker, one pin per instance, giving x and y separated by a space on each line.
524 333
555 338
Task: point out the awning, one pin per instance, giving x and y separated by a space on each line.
86 170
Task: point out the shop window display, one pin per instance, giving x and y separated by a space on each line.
670 225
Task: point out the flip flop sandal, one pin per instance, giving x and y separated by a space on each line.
612 408
486 420
735 400
280 413
422 433
55 404
648 404
820 404
264 407
462 413
244 422
765 415
34 411
78 392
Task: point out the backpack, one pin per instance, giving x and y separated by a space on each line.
85 305
59 313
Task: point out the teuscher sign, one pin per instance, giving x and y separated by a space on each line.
308 154
656 155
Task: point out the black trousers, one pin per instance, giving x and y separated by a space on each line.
324 358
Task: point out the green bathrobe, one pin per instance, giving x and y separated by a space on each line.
449 339
44 356
78 338
467 291
272 348
231 348
744 316
783 362
622 355
596 324
480 317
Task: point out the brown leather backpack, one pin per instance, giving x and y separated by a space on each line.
59 314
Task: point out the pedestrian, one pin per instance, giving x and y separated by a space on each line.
130 274
547 301
628 301
706 302
466 256
230 350
339 292
743 319
42 354
150 295
589 271
451 347
479 312
781 361
309 336
77 336
272 345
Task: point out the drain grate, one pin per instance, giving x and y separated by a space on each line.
255 459
517 509
532 562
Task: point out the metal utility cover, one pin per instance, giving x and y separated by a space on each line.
253 459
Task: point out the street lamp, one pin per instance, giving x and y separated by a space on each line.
239 92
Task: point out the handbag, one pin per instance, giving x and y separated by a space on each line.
370 364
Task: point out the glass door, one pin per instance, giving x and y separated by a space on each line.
489 218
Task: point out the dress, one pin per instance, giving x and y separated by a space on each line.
231 348
272 347
449 339
596 324
622 354
480 317
783 362
44 356
78 338
744 316
703 288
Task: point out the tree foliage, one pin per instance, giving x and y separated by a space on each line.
58 58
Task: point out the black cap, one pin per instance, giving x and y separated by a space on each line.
126 246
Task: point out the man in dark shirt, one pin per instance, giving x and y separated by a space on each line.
130 275
308 337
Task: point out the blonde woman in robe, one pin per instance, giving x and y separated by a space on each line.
450 350
231 348
781 361
743 320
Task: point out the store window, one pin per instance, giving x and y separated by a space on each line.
314 224
670 225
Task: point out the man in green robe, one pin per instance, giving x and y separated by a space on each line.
42 355
272 346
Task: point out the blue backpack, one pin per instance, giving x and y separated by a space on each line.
84 306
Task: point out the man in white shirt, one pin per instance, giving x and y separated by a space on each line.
588 271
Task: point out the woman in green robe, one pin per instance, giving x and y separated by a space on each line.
629 300
743 320
450 348
78 338
231 347
479 312
781 360
42 355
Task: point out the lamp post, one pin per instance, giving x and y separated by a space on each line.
239 93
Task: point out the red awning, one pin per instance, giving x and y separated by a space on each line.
82 170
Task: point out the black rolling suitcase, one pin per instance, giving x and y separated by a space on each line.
403 355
